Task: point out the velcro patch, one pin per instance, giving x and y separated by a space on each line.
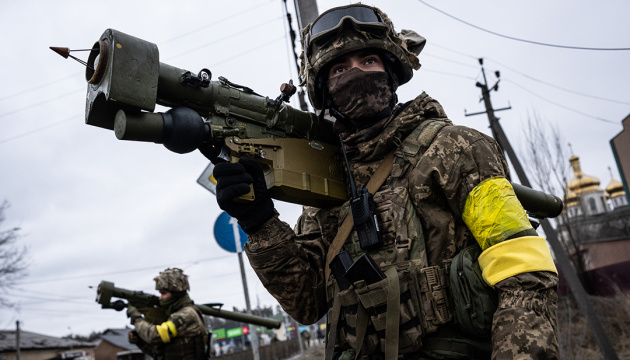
179 321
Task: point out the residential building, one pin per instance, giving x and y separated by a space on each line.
34 346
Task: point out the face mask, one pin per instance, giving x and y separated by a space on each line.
361 96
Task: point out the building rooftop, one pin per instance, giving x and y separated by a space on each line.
33 341
119 338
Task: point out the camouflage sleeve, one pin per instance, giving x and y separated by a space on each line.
525 323
466 158
290 264
147 332
186 321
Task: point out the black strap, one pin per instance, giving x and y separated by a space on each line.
452 345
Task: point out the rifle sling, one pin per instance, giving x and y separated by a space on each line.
380 175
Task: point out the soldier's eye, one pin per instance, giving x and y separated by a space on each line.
371 60
336 70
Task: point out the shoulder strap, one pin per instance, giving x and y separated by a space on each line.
345 229
422 136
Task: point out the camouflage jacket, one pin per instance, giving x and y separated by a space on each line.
290 263
188 344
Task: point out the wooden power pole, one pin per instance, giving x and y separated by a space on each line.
562 258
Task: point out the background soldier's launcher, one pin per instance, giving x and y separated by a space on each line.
148 304
297 151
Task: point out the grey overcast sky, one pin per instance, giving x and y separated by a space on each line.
93 208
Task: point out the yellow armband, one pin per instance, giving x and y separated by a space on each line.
167 330
515 256
493 212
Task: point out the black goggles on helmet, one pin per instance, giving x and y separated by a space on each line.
331 22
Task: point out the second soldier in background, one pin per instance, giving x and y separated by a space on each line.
183 336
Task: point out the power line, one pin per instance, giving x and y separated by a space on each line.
12 321
38 87
120 271
59 122
39 103
533 78
25 293
41 299
37 130
449 74
72 117
519 39
562 106
266 22
71 311
561 88
455 51
214 23
452 61
248 51
197 48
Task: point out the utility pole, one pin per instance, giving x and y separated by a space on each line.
561 257
306 11
308 8
253 332
17 340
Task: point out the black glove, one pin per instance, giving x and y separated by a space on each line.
233 180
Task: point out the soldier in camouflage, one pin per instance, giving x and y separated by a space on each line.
448 189
183 335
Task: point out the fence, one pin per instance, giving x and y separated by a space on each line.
275 351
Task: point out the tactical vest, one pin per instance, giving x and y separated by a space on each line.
190 347
187 348
361 316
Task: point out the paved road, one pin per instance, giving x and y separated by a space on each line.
315 351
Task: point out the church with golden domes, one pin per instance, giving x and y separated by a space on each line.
595 226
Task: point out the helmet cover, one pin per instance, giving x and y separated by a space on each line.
319 51
173 280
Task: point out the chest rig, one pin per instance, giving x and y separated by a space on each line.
397 298
192 342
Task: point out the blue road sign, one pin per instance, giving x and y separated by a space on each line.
228 233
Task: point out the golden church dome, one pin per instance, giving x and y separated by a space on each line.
581 183
570 199
615 188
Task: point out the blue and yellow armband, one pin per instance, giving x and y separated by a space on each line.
494 215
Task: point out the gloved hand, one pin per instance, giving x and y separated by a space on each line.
132 336
133 313
233 180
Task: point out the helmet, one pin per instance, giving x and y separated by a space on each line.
344 29
172 280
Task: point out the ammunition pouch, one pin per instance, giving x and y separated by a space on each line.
423 306
185 348
475 302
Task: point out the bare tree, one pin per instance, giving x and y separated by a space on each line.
548 168
13 262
